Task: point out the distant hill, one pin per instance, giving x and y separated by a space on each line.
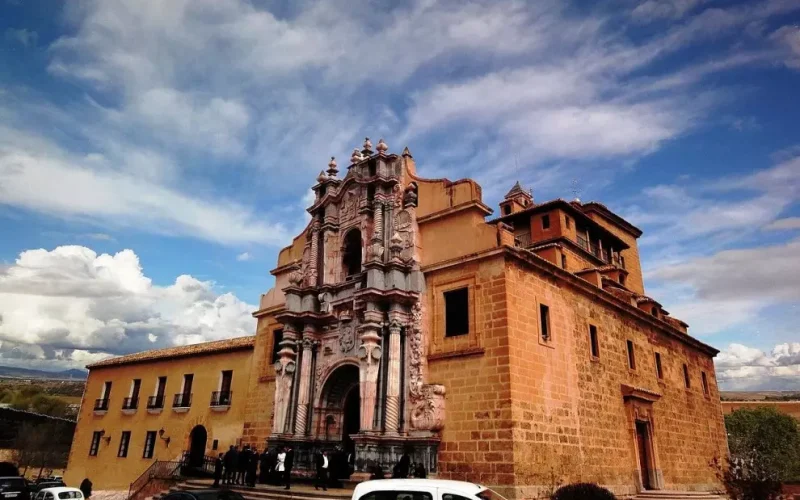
759 395
10 371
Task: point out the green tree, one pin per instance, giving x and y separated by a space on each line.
764 449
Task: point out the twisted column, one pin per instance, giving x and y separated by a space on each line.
312 265
393 380
284 371
370 356
305 383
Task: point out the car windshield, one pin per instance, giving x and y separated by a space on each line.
65 495
11 482
490 494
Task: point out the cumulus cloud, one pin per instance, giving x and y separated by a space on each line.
73 305
740 367
244 256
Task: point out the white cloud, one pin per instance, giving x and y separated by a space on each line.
788 39
72 300
26 38
652 10
58 184
244 256
741 367
786 224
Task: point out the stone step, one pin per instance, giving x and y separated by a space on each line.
264 492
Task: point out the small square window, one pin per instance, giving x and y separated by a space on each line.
563 261
686 380
568 222
215 444
704 380
631 356
506 210
594 344
622 279
546 221
544 319
654 311
659 370
456 312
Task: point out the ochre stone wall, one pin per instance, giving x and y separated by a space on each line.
259 410
569 417
109 472
476 440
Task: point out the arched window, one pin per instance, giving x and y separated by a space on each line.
351 253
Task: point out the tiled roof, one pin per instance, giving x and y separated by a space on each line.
183 351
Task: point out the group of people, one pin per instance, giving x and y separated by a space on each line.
246 467
274 466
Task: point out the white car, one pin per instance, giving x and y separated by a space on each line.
422 489
63 493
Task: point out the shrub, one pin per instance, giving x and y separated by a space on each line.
582 491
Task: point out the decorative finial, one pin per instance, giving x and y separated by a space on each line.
322 177
406 152
332 170
356 157
576 190
382 147
367 143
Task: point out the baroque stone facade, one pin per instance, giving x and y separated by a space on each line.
516 352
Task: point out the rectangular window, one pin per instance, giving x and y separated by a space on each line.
704 380
567 221
563 261
686 380
654 311
544 322
161 387
277 338
136 386
594 344
226 380
659 370
188 379
622 261
96 435
631 356
456 312
546 221
124 441
215 444
149 444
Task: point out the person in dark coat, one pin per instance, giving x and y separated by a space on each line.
323 465
241 466
287 465
263 475
231 461
401 469
218 464
252 469
86 488
419 471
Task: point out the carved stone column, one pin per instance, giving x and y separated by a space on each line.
393 380
305 382
369 353
313 256
284 372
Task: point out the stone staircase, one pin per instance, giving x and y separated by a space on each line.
677 495
299 491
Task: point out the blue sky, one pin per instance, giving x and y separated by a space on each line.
154 156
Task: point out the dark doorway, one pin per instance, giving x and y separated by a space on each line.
352 419
643 446
351 254
197 446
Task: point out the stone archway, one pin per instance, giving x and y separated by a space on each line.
197 446
339 387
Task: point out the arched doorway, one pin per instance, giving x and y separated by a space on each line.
340 416
351 253
197 446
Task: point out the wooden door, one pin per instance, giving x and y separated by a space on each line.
642 445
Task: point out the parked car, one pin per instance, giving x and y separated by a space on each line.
61 493
422 489
203 495
14 487
40 485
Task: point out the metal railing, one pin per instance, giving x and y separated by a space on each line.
101 404
522 240
155 402
160 469
583 243
221 398
130 403
182 400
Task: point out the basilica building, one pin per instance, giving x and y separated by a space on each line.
519 351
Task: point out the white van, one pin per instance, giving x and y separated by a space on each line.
59 494
422 489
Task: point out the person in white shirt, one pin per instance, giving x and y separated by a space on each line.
322 471
280 466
